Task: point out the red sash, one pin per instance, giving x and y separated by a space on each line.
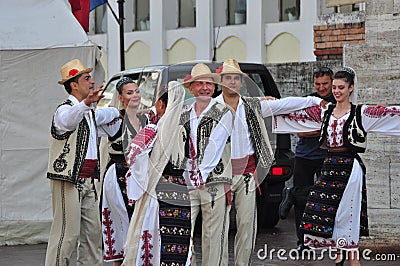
88 167
245 165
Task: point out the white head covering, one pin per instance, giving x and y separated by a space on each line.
164 144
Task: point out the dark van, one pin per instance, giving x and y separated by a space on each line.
150 78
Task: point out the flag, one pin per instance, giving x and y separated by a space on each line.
75 4
81 9
96 3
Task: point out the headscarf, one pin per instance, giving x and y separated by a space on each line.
160 155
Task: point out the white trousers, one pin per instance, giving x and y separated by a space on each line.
75 221
244 196
212 203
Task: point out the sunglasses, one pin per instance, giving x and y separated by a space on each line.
322 71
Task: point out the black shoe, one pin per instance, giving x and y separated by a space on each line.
286 204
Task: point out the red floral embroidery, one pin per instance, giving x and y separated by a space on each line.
109 238
195 176
219 69
312 114
315 243
188 77
377 112
73 72
306 226
334 134
140 142
147 247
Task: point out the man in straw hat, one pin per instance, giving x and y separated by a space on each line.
73 168
251 155
207 126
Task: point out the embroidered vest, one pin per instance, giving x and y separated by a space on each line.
354 135
68 151
119 143
258 133
223 171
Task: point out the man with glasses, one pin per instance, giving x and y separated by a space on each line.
308 158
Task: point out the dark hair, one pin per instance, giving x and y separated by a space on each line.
122 82
347 74
67 84
163 96
323 71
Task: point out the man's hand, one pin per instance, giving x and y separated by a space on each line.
323 103
148 112
94 96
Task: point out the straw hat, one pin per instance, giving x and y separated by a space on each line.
200 71
230 66
72 69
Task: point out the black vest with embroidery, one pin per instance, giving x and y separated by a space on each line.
119 143
258 133
354 135
223 170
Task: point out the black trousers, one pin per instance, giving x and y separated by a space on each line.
305 171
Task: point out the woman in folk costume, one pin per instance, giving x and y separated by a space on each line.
160 232
336 210
116 212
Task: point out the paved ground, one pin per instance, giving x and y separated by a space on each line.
273 247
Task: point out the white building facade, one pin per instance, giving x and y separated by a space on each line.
171 31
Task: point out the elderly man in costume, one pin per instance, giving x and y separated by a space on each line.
198 143
251 155
207 126
73 168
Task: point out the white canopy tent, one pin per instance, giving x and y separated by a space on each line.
36 38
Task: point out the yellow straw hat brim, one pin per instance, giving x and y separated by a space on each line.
87 70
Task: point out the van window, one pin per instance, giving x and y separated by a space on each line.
148 87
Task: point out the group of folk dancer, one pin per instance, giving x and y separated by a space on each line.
190 160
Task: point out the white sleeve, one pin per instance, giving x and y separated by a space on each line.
304 120
216 145
287 105
138 159
107 120
137 178
384 120
67 117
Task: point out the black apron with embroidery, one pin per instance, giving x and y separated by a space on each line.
120 141
174 216
326 194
